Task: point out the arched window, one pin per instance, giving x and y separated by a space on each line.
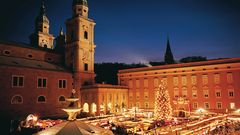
85 34
17 99
61 99
41 99
86 107
94 108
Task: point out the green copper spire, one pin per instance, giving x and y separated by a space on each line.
80 2
42 17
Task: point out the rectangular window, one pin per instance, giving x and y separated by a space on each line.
184 80
218 93
206 105
165 80
205 79
184 92
232 106
17 81
42 82
219 105
231 93
176 93
195 105
175 81
194 94
216 78
62 84
193 80
206 93
85 67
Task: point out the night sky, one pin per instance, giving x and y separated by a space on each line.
136 30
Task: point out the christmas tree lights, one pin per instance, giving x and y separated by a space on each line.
162 107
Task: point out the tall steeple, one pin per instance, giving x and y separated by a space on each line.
169 59
41 36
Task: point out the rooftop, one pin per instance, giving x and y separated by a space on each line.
181 65
29 63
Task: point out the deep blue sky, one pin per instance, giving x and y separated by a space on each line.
136 30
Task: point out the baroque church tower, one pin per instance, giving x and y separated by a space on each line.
80 47
41 36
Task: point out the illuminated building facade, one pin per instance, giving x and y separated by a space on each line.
37 78
212 85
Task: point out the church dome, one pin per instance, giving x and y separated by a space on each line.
80 2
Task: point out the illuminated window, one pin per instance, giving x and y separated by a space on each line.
232 106
42 82
216 78
165 80
85 107
41 99
219 105
206 105
184 92
193 80
17 81
62 84
194 93
205 79
184 80
229 77
17 99
175 81
195 105
176 92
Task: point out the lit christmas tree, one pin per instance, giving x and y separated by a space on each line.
162 108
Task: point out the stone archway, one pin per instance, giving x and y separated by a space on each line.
85 107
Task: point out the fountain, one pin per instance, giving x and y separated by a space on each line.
72 110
